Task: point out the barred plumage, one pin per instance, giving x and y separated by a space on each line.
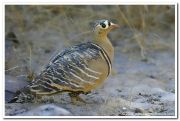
72 70
78 69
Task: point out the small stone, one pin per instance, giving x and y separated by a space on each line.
150 110
47 51
124 108
152 76
138 110
118 90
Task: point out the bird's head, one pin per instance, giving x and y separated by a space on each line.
103 27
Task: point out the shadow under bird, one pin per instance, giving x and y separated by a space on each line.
76 70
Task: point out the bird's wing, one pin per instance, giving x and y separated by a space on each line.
69 70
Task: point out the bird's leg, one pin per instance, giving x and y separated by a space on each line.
37 98
75 97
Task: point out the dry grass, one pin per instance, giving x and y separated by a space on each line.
76 18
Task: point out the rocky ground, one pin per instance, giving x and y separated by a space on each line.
136 87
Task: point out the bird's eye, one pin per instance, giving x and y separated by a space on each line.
103 25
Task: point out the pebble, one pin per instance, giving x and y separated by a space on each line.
138 110
124 108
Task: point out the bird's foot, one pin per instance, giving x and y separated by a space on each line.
76 99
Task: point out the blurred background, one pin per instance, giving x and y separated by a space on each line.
144 43
45 29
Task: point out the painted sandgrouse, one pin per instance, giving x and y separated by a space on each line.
76 70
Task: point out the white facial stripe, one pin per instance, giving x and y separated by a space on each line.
106 22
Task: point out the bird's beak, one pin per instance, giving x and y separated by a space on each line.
114 26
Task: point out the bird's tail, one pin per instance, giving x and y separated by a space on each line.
22 96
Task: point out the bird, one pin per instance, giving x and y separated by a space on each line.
76 70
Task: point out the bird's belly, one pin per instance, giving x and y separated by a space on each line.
99 71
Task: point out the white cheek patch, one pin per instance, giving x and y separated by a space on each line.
106 22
